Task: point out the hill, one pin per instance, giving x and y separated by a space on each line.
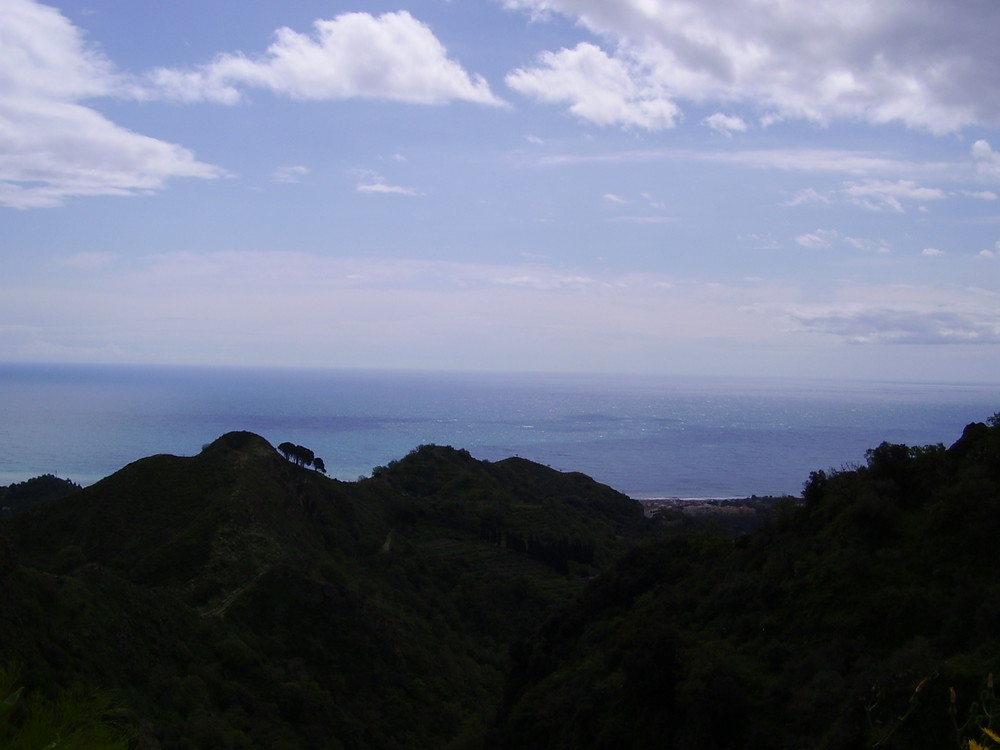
867 615
234 599
16 497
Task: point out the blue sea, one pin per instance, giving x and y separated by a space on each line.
647 436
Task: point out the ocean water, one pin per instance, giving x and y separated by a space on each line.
647 436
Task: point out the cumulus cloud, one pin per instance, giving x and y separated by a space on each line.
921 63
598 88
354 55
986 159
931 251
53 147
725 124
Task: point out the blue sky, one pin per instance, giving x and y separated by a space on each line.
735 188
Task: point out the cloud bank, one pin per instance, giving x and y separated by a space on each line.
355 55
922 63
52 146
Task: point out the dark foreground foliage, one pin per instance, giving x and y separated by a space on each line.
17 497
237 600
867 615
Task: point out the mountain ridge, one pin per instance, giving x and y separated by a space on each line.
236 599
267 589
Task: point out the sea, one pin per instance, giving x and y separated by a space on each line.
648 436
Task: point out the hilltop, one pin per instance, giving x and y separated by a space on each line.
17 497
235 599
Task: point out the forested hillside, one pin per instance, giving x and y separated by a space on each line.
235 599
867 615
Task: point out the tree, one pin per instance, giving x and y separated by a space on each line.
298 454
303 456
287 449
319 465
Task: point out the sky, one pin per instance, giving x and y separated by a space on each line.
736 187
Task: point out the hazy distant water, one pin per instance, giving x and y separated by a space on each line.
647 436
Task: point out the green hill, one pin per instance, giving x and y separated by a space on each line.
867 615
234 599
22 495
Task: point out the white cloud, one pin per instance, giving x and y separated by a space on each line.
52 147
870 245
819 238
830 237
726 124
882 195
598 88
874 195
983 195
807 196
43 53
921 63
858 163
392 56
289 174
373 182
931 251
381 187
987 160
612 198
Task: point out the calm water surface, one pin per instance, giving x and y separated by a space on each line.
648 436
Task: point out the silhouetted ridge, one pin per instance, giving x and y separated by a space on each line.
236 599
239 599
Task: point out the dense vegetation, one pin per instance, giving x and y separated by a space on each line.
236 599
866 616
17 497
